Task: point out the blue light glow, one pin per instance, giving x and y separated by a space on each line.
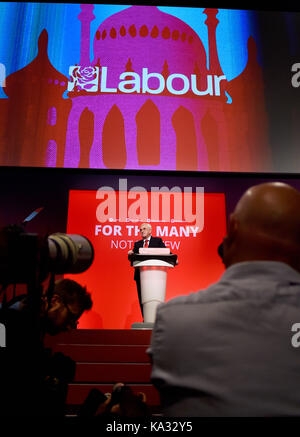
22 23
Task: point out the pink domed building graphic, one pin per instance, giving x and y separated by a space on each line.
151 98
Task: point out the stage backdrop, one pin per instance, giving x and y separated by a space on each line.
149 87
192 225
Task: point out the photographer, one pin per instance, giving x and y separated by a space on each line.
33 381
68 302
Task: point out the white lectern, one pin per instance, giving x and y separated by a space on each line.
153 264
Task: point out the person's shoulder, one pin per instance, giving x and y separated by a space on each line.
18 303
214 293
180 303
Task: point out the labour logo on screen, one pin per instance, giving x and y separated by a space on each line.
83 78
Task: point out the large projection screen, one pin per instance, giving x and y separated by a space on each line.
149 87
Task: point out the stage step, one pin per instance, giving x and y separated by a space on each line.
104 336
93 353
104 357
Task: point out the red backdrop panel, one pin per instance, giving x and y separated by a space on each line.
110 278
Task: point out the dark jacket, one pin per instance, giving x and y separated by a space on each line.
154 242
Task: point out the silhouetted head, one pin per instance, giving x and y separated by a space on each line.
265 225
68 302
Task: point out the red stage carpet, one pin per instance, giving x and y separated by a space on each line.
104 357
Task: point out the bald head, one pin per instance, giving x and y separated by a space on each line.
265 225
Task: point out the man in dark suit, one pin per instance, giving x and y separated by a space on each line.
147 241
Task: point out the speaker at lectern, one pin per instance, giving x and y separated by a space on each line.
154 264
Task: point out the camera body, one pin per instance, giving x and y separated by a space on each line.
21 254
24 255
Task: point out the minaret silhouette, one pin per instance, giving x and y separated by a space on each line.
212 23
86 17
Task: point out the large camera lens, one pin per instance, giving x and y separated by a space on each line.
69 253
